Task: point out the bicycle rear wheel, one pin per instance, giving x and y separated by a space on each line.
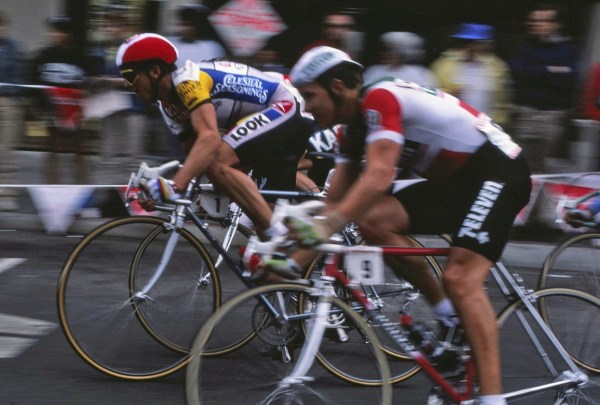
392 296
574 263
573 317
258 368
131 338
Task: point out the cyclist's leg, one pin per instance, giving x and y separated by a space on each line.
239 187
384 225
464 277
478 205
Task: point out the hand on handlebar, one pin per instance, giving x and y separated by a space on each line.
308 232
158 190
577 217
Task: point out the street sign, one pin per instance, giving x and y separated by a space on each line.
245 25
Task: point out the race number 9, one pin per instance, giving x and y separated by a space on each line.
365 267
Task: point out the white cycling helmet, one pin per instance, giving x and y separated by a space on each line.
317 61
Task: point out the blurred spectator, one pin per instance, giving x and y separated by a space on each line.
339 31
269 58
65 69
11 112
545 70
61 63
194 37
11 72
118 111
590 97
472 72
401 55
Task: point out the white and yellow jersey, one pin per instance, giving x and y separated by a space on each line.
235 89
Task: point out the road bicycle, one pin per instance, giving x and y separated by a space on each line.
574 261
327 317
137 281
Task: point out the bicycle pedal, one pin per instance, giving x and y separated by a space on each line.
286 357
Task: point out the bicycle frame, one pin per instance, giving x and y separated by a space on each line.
183 211
509 284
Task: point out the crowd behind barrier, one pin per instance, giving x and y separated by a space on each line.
91 125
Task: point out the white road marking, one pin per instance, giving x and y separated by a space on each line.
23 332
7 264
18 325
11 347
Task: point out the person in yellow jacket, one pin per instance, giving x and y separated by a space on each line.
472 72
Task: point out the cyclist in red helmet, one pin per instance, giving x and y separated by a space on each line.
260 113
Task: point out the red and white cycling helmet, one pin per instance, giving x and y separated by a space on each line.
146 47
317 61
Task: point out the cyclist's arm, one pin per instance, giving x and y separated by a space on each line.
305 183
305 163
375 180
346 173
204 148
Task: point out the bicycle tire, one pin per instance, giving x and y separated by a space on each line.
113 333
256 372
393 295
574 263
574 318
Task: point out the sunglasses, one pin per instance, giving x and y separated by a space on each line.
130 76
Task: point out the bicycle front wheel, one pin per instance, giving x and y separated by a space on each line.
574 318
574 263
112 322
258 369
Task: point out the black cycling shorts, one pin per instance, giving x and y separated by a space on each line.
477 205
272 151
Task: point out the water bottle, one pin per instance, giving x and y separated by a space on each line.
442 355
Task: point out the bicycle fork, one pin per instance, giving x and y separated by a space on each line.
173 227
315 337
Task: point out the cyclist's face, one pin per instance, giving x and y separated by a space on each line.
139 82
319 103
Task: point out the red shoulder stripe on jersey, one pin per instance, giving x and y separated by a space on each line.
381 106
470 109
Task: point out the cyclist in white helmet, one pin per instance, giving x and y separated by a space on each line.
265 129
476 181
